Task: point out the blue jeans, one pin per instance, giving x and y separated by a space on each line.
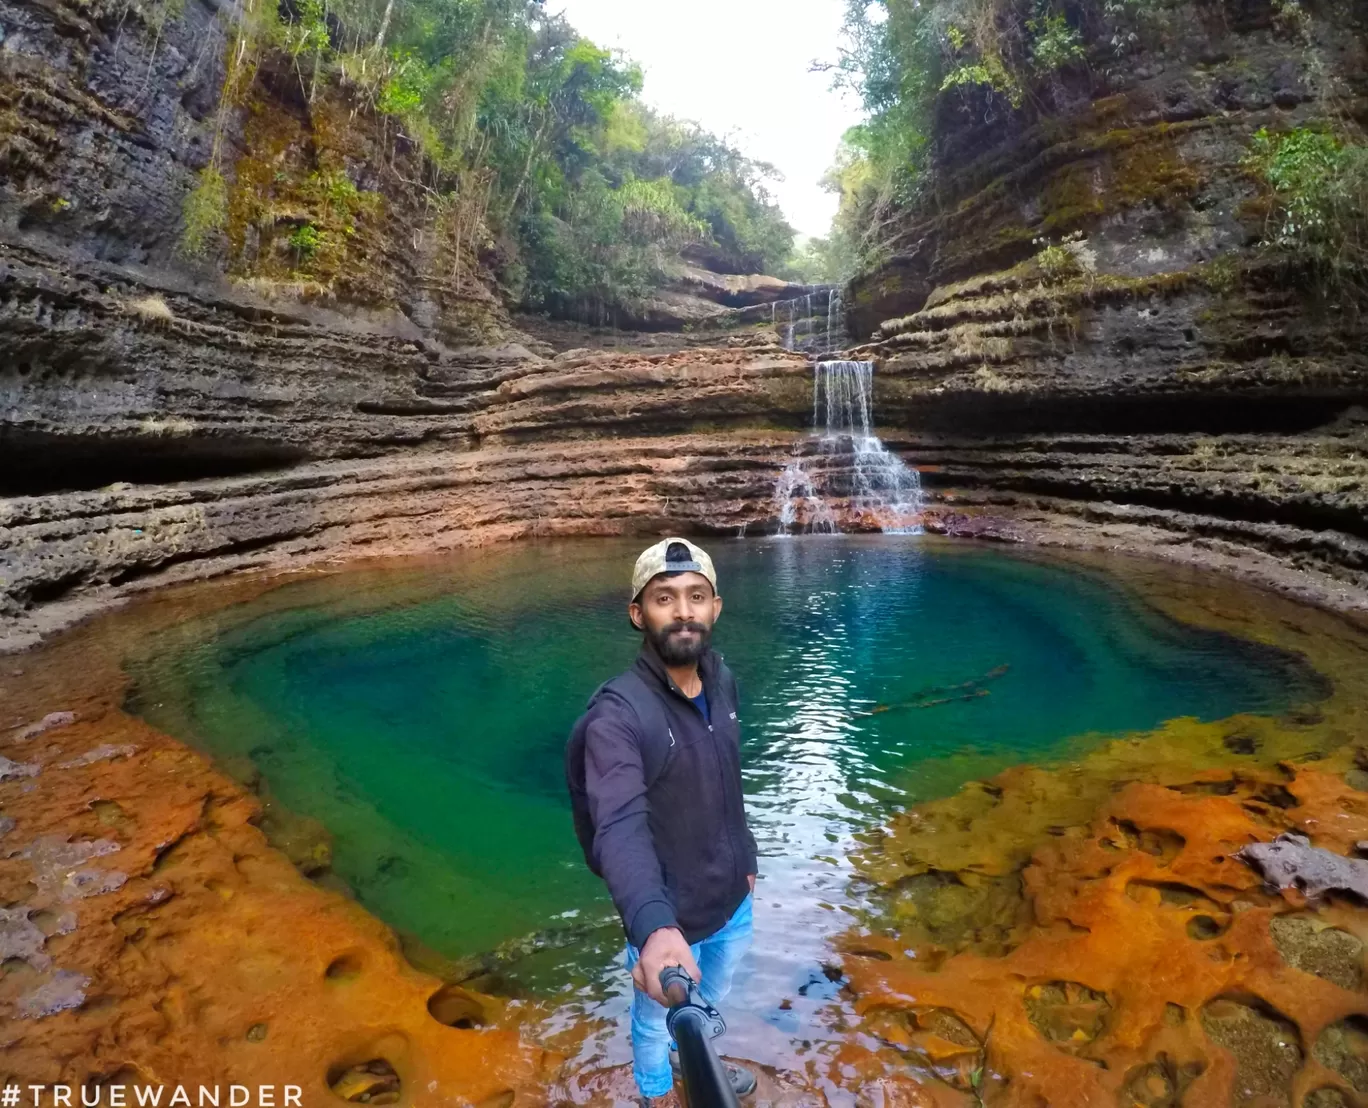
717 956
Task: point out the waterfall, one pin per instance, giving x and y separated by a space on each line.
800 331
794 485
883 493
882 485
835 325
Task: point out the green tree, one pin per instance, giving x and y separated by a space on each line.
533 137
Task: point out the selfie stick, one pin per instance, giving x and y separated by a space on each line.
692 1022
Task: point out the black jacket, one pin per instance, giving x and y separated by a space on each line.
676 853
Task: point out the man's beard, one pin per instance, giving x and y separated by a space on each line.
675 651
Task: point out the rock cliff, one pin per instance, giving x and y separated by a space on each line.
1077 324
167 417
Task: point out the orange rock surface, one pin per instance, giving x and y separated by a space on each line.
145 911
1073 934
1082 935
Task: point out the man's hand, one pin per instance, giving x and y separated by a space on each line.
751 878
665 947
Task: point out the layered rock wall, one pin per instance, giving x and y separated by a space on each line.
1154 365
167 417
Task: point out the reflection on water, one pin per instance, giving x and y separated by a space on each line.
421 714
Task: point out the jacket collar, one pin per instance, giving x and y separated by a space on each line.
651 661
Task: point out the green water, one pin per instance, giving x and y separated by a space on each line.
421 713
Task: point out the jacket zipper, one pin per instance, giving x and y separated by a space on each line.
717 762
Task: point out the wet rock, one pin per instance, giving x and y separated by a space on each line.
1242 741
20 938
1291 862
934 1038
101 753
66 989
49 722
302 839
58 867
976 913
184 963
9 770
1159 930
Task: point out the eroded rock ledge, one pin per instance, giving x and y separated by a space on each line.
158 422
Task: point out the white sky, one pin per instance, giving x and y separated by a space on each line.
740 68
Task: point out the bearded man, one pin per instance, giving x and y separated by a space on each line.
662 781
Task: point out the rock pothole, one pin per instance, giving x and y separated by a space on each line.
457 1007
373 1082
1158 1084
1343 1047
1067 1013
1328 1097
1313 946
1204 928
937 1038
1266 1046
1160 842
345 967
1206 920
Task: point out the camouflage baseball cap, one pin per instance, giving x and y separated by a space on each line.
671 555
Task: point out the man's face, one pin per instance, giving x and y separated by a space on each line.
677 612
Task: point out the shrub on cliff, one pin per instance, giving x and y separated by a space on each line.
608 248
1317 185
204 212
931 71
906 58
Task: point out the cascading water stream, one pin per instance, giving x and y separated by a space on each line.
813 325
794 487
880 490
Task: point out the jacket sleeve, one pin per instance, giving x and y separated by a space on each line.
623 848
753 861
